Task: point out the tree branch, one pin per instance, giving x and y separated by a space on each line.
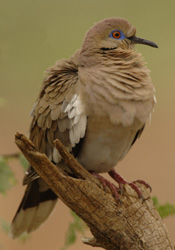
127 225
12 155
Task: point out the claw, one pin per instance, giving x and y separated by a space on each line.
105 183
144 183
101 179
121 181
139 193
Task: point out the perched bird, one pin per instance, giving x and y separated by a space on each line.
97 103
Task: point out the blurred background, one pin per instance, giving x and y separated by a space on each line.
34 34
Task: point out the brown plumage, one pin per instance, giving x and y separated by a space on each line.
97 103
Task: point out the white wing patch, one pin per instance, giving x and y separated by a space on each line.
78 130
56 155
77 120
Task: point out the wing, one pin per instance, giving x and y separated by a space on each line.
58 113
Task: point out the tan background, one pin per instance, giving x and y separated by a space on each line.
34 34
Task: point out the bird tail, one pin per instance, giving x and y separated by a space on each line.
36 206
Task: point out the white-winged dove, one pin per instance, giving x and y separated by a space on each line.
97 103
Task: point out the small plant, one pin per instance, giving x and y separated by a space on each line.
7 177
77 226
164 210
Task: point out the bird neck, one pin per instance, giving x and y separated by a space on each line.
126 67
92 56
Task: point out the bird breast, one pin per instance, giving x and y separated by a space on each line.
105 143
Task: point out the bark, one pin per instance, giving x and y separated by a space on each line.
129 224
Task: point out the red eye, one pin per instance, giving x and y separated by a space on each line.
116 34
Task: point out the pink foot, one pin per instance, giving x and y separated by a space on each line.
105 183
121 181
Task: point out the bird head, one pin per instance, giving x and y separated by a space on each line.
111 34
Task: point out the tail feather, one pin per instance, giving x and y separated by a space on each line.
36 206
41 215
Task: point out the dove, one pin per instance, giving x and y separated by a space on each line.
97 104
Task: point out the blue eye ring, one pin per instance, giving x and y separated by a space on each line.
117 34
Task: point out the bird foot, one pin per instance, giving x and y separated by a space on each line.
121 181
105 183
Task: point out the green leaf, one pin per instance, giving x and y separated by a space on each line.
164 210
74 227
155 201
7 178
5 226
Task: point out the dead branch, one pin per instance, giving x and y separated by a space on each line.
127 225
12 155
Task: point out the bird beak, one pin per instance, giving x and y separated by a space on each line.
138 40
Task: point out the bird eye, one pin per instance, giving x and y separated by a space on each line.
116 34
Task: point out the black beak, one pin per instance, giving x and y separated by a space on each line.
138 40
